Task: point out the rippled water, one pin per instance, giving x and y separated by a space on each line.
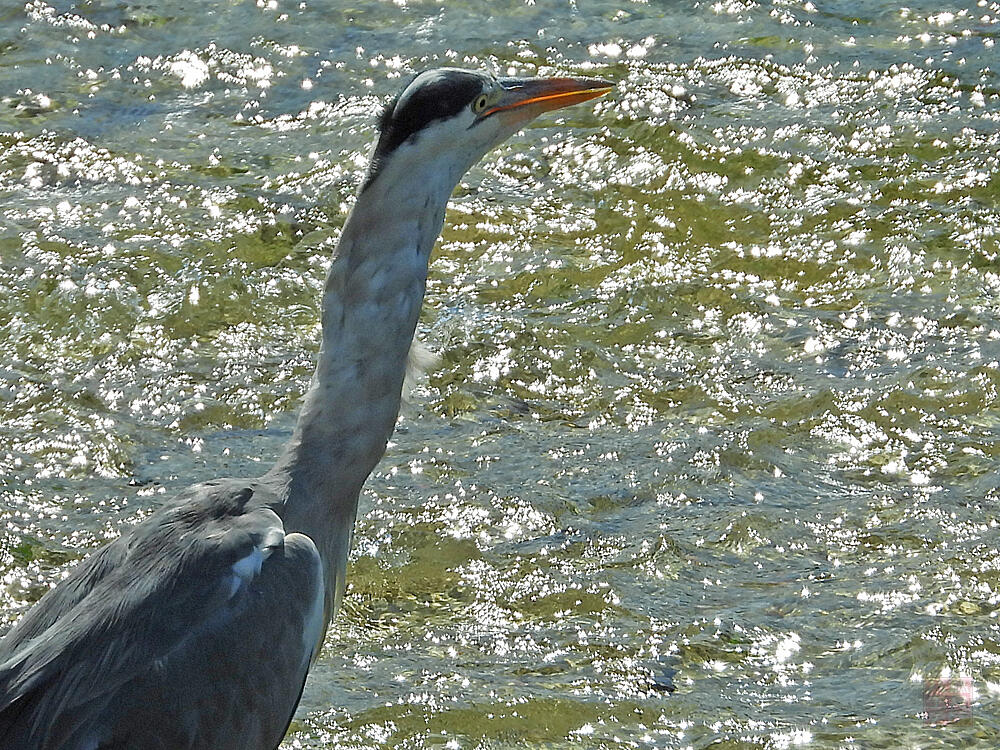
708 456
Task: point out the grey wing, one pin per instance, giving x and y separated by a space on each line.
237 686
200 637
83 578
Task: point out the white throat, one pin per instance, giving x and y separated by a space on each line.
370 310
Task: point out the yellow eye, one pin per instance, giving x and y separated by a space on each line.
479 103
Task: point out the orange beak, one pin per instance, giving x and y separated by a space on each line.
537 95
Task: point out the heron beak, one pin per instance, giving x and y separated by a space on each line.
532 96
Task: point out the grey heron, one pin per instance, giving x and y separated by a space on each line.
196 628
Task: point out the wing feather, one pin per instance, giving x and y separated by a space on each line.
157 613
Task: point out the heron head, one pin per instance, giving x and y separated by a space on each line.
448 118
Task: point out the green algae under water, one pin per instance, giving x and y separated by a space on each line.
709 455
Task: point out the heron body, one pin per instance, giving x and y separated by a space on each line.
196 628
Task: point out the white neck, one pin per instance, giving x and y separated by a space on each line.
370 309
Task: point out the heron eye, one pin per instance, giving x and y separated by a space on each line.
479 103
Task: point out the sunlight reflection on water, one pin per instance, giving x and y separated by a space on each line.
707 458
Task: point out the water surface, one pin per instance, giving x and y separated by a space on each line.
707 459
